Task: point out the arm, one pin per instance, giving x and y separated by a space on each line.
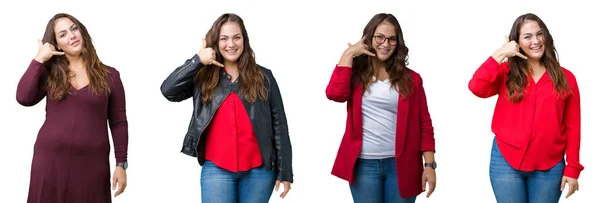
31 87
572 131
179 85
339 89
427 141
281 135
117 118
427 138
488 78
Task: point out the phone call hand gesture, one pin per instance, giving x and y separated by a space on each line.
208 55
46 51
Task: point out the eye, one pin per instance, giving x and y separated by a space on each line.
238 38
75 28
527 37
223 39
61 35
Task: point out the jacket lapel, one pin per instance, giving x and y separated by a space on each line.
357 117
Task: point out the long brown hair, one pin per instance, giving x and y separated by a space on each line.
251 79
58 85
396 65
519 68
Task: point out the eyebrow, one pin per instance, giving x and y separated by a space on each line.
528 33
233 35
71 27
384 35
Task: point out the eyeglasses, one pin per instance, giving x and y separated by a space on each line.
380 39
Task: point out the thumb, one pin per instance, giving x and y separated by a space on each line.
203 43
40 43
277 185
562 185
506 39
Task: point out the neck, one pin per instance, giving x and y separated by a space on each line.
75 62
535 64
378 64
231 66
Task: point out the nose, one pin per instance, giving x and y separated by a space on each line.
537 39
230 42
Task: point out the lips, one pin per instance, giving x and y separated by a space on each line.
231 51
384 51
536 48
75 43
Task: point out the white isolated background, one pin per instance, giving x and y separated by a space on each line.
300 41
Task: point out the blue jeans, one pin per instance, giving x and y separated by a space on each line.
514 186
375 181
221 186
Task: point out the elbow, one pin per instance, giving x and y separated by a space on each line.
336 96
25 101
478 92
166 92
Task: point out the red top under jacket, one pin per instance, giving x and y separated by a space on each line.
231 143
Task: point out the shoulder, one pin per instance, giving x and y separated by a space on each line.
112 72
416 77
264 70
114 75
568 73
569 76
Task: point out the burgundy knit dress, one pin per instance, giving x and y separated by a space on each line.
71 154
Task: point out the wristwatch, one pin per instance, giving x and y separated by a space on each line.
432 165
123 164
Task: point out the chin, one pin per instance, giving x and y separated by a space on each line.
232 58
535 56
383 58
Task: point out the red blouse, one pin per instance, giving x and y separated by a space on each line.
231 143
537 132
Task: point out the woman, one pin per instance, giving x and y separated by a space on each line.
537 118
70 159
388 129
238 130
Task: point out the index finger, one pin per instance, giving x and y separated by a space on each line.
521 55
571 190
431 188
217 64
286 189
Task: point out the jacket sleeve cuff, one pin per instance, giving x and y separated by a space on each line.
282 176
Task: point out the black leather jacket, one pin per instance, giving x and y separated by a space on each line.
267 116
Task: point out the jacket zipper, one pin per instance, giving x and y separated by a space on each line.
209 120
186 66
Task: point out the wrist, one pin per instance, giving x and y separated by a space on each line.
38 59
431 165
123 165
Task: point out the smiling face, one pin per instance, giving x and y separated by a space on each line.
531 40
231 42
384 40
68 36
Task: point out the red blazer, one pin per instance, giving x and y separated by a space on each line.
414 131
